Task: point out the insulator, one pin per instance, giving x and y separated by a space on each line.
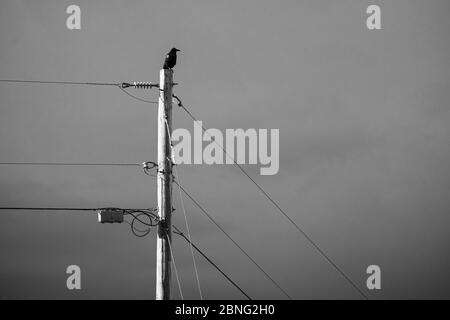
142 85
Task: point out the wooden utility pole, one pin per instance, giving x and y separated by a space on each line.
164 185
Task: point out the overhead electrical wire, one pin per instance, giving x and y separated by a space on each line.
134 218
180 104
134 230
137 98
180 188
49 209
70 164
305 235
129 211
121 85
181 234
232 240
220 228
189 236
175 267
61 82
136 214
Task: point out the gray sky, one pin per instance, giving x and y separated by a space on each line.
364 154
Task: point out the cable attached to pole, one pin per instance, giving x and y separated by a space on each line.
70 164
135 84
277 206
175 266
61 82
121 85
181 234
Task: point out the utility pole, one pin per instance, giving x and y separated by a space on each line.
164 186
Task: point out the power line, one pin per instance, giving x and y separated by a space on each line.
135 210
143 233
180 233
189 236
137 98
70 164
121 85
126 211
48 209
153 221
61 82
129 211
232 240
217 225
305 235
175 267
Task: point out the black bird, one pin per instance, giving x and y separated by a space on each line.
171 59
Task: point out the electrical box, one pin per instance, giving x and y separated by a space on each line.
110 215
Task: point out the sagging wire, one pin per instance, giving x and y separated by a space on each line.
137 98
150 215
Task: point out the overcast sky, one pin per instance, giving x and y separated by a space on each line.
364 145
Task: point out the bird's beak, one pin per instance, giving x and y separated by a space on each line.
177 50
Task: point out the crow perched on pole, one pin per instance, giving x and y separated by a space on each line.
171 59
